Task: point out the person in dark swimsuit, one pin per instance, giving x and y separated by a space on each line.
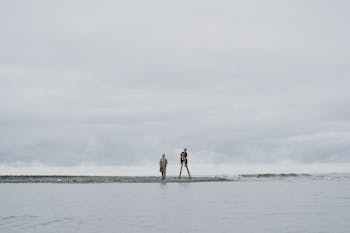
183 161
183 157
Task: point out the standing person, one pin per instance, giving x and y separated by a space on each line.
183 160
162 166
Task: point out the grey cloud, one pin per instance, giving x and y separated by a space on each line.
122 82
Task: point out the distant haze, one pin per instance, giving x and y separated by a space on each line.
118 83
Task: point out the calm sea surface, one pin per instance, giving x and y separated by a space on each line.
273 205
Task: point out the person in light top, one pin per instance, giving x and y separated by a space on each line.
162 166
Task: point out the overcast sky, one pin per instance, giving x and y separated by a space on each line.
120 82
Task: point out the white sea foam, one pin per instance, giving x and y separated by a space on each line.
153 170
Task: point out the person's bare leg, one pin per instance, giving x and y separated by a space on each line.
180 170
189 175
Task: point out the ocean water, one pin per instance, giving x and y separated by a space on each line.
306 204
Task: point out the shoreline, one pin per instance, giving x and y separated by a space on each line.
59 179
86 179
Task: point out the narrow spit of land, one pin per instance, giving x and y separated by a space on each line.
104 179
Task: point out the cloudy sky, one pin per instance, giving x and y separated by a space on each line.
120 82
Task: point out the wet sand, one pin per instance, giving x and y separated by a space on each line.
104 179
